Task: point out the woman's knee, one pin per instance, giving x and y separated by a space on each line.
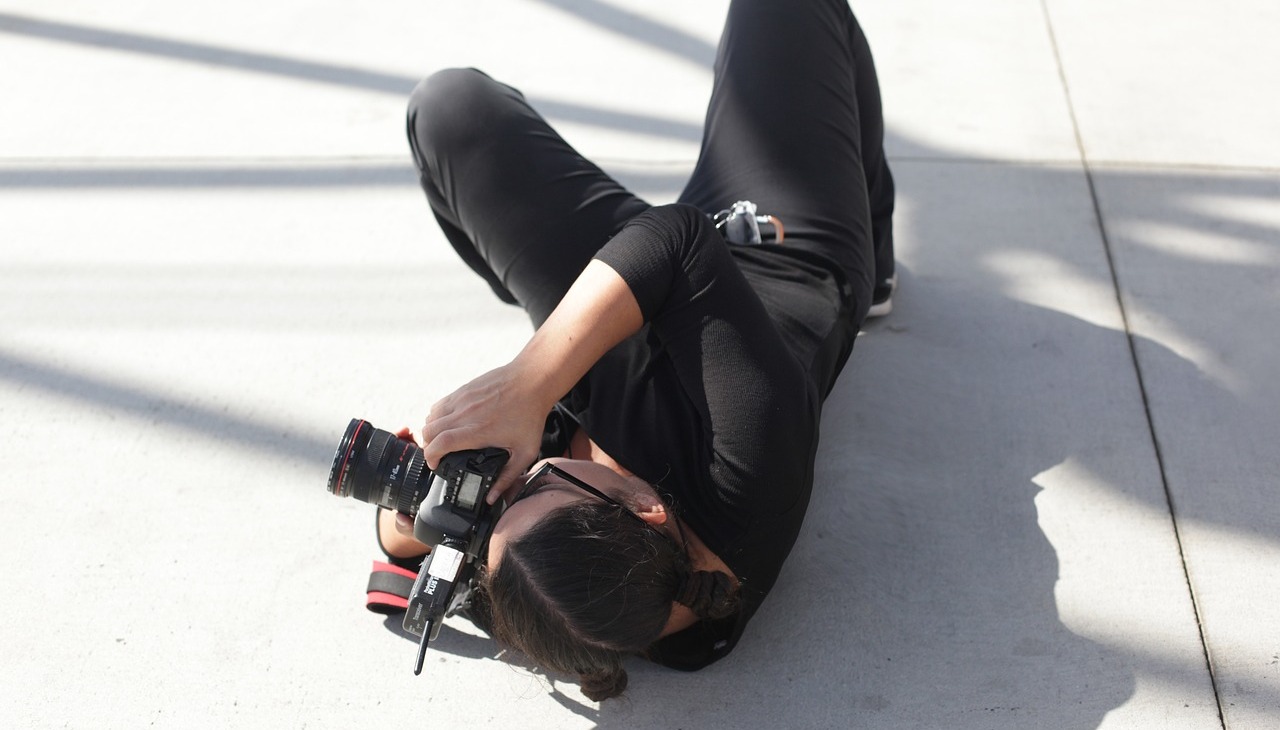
449 109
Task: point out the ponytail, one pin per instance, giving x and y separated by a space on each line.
710 594
604 684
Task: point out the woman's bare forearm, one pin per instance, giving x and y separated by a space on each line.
507 407
598 312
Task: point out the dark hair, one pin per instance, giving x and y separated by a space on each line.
587 585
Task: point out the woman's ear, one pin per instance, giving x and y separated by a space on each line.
656 515
650 508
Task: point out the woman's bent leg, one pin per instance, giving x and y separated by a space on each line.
794 124
522 207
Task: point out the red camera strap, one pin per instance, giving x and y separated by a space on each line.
389 588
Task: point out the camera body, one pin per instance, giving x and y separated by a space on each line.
455 520
452 516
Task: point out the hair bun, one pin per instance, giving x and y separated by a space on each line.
604 684
710 594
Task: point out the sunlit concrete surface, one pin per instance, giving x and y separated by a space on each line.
1046 487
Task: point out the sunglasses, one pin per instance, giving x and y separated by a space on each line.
539 479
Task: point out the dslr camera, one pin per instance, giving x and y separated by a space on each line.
449 509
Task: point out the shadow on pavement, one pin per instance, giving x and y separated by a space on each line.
319 72
923 586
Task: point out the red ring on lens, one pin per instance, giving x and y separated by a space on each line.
336 484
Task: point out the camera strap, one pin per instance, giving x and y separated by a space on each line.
389 588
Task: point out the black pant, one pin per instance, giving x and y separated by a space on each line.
794 125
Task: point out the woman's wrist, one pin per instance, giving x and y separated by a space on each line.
545 370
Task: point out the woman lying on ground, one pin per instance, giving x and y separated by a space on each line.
684 374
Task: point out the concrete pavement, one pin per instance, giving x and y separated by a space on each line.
1046 485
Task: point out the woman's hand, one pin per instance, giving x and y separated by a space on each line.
507 407
502 408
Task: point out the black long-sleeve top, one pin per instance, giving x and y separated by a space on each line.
717 400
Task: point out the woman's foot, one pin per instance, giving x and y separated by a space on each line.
882 297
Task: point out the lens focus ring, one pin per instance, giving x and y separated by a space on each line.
379 468
414 490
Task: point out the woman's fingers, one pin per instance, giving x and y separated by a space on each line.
443 435
471 437
502 408
445 442
406 434
511 473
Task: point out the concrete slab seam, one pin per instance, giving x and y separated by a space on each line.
1133 354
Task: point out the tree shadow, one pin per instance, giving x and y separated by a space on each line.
318 72
1198 257
151 408
666 38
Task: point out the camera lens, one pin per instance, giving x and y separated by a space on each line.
374 466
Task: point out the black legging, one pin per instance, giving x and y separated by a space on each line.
794 125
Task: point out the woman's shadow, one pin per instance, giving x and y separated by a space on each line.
922 590
933 585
